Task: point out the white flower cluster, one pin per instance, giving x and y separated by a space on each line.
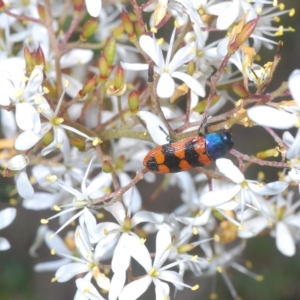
79 113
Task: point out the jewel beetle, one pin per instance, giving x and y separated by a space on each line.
188 153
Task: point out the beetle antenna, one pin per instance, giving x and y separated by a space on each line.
203 123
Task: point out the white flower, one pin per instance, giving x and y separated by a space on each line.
229 12
264 28
84 198
281 119
7 216
29 138
85 263
56 244
284 220
167 68
245 192
221 259
21 91
155 271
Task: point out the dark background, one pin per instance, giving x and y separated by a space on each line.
18 281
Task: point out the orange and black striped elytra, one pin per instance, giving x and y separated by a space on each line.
188 153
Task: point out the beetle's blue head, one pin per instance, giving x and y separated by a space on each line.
218 144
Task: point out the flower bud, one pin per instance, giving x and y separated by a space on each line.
88 86
185 248
41 11
103 67
78 5
138 29
78 143
28 59
119 163
133 101
106 166
191 68
118 31
242 36
39 57
119 79
240 90
110 50
128 25
89 28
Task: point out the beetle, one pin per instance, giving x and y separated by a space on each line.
188 153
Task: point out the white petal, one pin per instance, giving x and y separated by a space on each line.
4 244
227 167
24 186
94 189
253 227
116 285
134 67
27 140
172 277
153 124
104 248
149 45
284 240
54 241
76 57
88 289
135 289
162 290
215 198
228 15
271 117
38 241
8 123
51 265
7 215
139 252
68 271
293 220
288 139
93 7
132 198
163 246
145 216
272 188
74 85
60 138
27 117
165 86
34 82
294 83
182 56
39 201
191 82
121 258
217 9
18 162
294 150
118 211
